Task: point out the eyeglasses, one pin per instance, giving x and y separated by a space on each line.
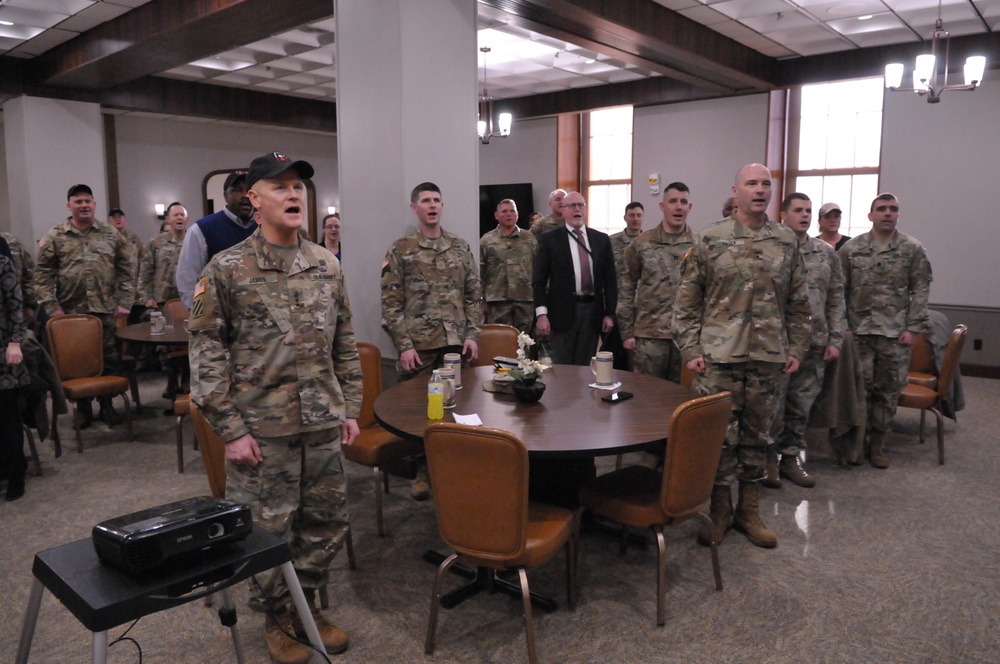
574 205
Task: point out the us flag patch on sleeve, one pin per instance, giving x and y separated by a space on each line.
199 287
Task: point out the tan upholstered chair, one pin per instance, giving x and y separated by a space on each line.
375 447
640 497
925 398
485 516
213 454
496 340
77 345
182 408
923 369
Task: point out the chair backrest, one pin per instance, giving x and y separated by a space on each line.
695 435
77 345
174 311
480 480
949 365
213 452
687 376
922 356
371 374
496 340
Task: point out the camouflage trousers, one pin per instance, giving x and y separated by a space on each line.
430 360
112 355
884 364
298 492
518 314
801 390
756 387
658 357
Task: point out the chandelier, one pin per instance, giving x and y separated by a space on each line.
925 72
485 126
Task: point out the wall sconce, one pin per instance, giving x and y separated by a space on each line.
331 209
160 210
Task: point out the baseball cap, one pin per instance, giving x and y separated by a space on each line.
78 189
275 163
116 212
828 208
233 178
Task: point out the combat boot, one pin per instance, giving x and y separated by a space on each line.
334 638
421 487
876 450
747 518
721 514
280 645
793 471
771 478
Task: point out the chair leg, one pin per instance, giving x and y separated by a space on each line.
623 543
715 553
349 543
529 624
378 499
436 602
572 554
180 444
923 415
940 434
133 385
324 598
76 426
33 449
128 416
661 577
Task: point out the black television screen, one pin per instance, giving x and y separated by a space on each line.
490 196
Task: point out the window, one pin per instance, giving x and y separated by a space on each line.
835 140
607 182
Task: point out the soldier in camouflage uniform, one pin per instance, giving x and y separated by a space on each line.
430 298
826 303
887 280
277 375
634 216
741 321
649 276
118 220
505 257
158 272
24 266
552 220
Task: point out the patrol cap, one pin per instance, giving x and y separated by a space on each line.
116 212
233 178
78 189
273 164
828 208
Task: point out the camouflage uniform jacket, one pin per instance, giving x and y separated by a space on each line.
272 346
24 266
826 292
619 241
505 263
743 295
87 271
544 225
158 270
650 273
138 251
430 292
886 286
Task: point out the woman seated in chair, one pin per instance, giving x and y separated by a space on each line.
13 377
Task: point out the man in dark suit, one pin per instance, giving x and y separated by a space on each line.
574 284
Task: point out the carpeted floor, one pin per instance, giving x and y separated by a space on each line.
900 565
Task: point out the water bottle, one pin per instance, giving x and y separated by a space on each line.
435 397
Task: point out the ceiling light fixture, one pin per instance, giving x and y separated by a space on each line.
925 73
485 127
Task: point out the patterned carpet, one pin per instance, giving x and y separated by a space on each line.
900 565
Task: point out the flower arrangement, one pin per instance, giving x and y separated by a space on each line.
528 370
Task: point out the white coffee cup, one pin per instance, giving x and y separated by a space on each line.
603 367
454 361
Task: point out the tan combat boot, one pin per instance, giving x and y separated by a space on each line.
792 470
876 449
282 647
334 638
747 518
721 513
421 487
771 478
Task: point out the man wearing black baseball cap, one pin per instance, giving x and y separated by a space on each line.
214 233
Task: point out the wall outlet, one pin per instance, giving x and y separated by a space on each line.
977 344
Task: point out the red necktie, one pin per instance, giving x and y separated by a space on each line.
586 278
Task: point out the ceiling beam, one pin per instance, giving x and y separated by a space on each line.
164 34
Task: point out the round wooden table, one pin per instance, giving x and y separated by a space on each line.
569 421
140 333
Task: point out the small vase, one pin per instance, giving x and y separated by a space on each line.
528 392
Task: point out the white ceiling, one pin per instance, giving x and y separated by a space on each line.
301 62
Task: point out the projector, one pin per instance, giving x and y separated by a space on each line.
159 539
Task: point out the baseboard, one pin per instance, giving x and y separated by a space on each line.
980 370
